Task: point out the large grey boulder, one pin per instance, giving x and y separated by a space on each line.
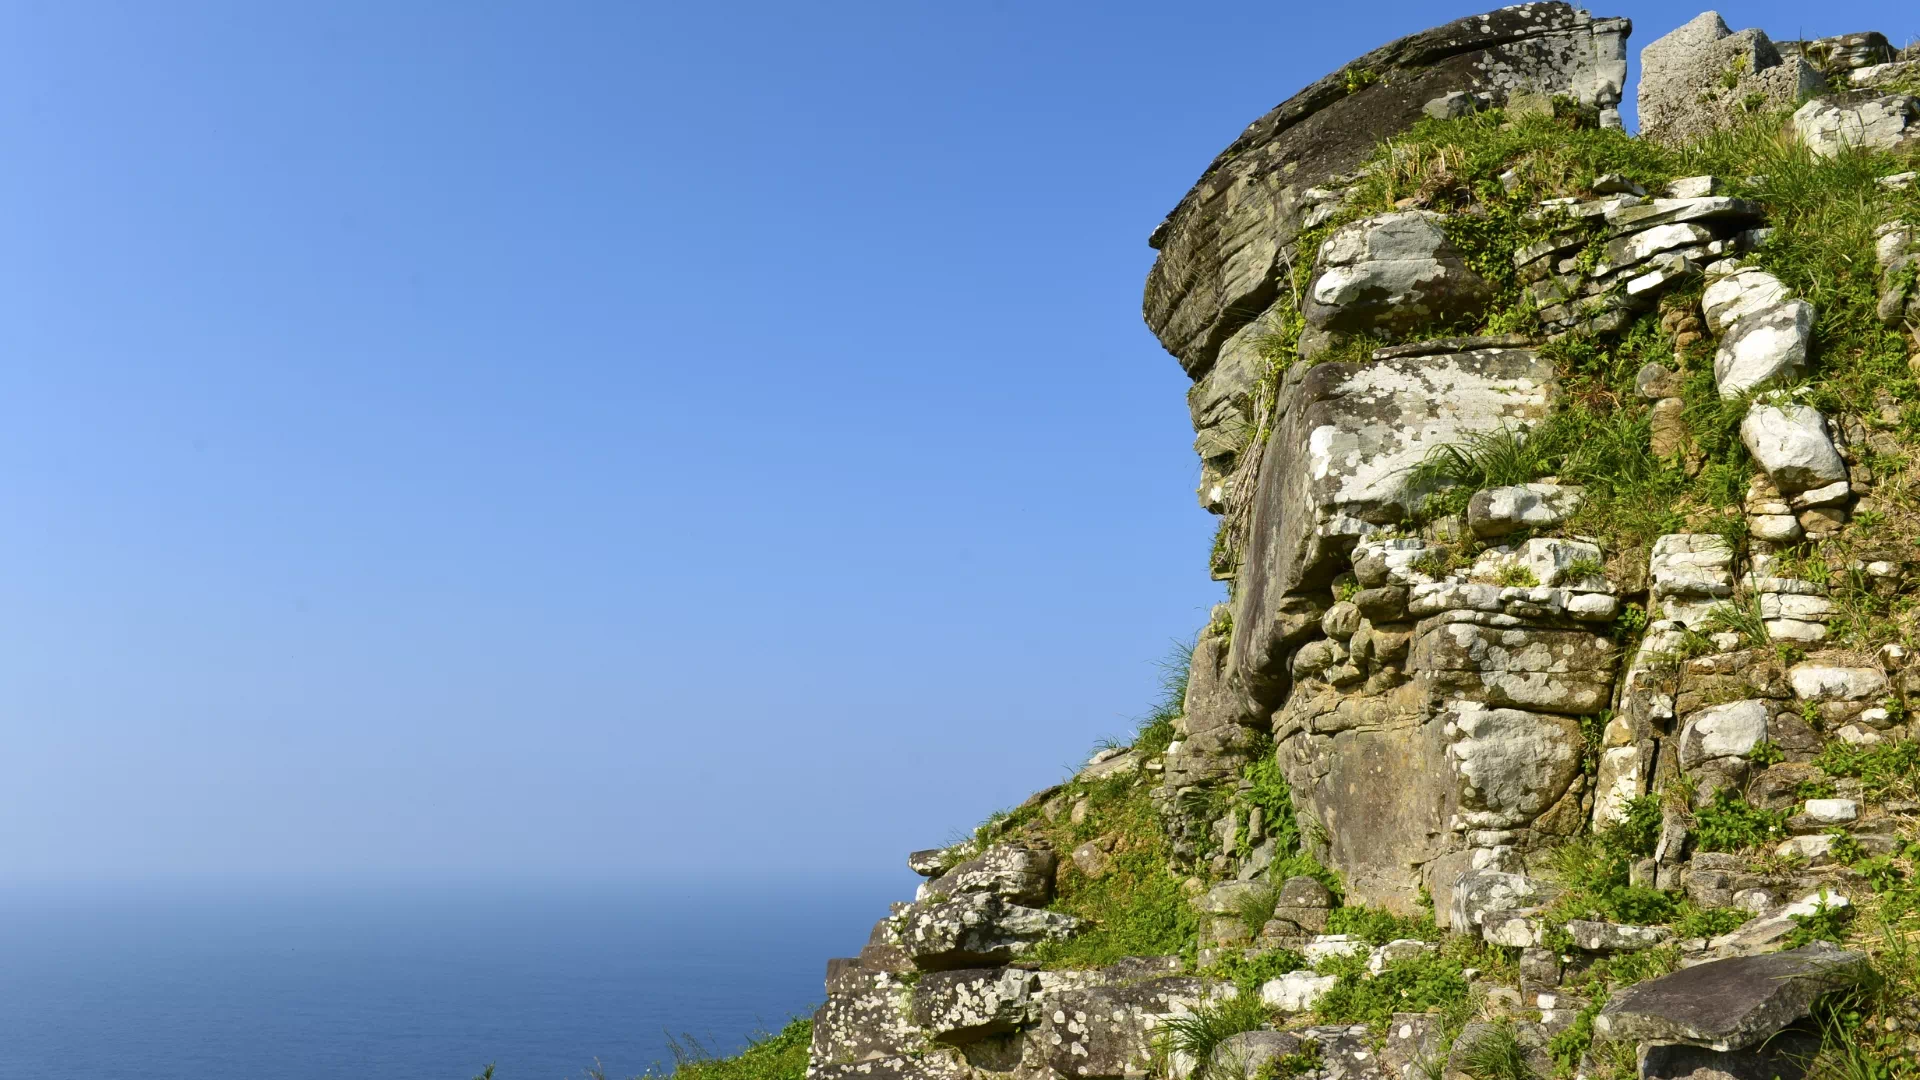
978 930
1108 1032
1390 274
1723 731
1786 1056
1684 81
968 1005
1480 893
1226 247
1498 511
1764 333
1016 873
1558 671
1512 764
1831 126
1790 442
1731 1004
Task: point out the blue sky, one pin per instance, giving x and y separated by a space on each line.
598 440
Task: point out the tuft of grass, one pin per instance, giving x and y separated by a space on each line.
1155 732
1742 618
781 1055
1417 984
1255 908
1497 1054
1199 1033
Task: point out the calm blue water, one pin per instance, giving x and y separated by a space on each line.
405 984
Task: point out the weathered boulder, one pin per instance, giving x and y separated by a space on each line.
1353 434
1296 991
1016 873
963 1006
1786 1056
1389 274
1226 247
864 1020
1512 764
1730 730
1730 1004
1703 76
1479 893
978 930
1860 120
1107 1032
1501 510
1560 671
1248 1054
1790 442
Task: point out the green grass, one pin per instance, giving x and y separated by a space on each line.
779 1056
1497 1054
1377 927
1200 1032
1419 984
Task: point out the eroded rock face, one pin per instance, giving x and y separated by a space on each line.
1704 76
976 930
1863 120
1224 248
1358 430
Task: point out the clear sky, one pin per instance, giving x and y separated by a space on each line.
599 441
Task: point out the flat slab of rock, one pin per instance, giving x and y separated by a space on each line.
1392 272
1730 1004
1501 510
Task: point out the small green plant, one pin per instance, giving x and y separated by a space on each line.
1301 1062
779 1056
1885 769
1377 927
1766 753
1515 576
1437 561
1845 849
1730 823
1345 589
1695 922
1580 570
1742 618
1828 922
1416 984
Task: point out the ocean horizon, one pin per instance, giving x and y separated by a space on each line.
409 982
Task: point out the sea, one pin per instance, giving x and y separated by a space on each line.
413 982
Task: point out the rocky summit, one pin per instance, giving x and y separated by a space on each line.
1557 721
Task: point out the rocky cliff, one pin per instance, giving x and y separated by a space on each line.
1557 722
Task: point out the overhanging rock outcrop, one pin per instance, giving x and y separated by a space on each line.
1225 248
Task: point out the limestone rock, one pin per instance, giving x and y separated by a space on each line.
1744 293
1512 764
1016 873
1498 511
1614 937
1831 126
1225 248
1730 1004
1358 432
1730 730
978 929
963 1006
1768 345
1479 893
1896 249
1832 682
1296 991
1703 76
1790 442
1391 273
